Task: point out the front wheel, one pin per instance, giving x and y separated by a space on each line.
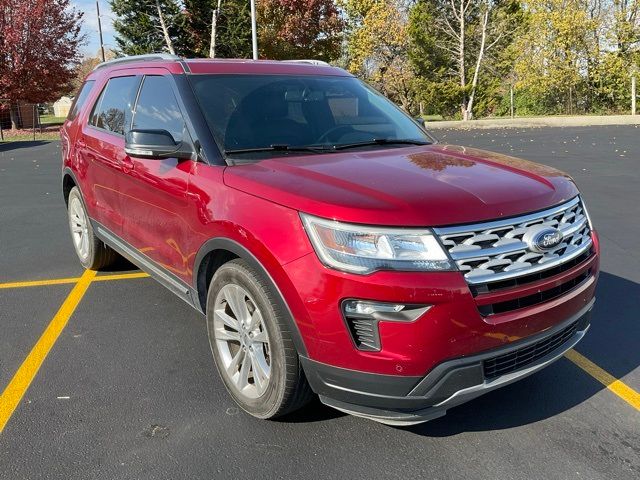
251 344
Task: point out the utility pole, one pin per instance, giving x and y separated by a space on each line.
254 30
100 30
214 25
633 94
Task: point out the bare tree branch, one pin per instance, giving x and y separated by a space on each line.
165 30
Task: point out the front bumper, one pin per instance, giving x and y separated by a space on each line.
452 328
408 400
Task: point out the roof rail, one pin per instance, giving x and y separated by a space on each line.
309 61
137 58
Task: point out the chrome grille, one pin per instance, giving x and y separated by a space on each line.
495 251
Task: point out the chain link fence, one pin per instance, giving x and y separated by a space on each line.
28 121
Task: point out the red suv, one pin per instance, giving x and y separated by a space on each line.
335 248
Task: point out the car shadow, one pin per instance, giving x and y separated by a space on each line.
6 146
120 265
314 411
611 343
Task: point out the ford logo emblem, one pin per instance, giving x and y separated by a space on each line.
541 238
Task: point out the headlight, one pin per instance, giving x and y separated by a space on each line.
360 249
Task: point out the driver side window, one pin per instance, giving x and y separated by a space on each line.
157 108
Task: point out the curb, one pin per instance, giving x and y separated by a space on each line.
534 122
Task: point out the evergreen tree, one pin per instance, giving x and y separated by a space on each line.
233 30
139 28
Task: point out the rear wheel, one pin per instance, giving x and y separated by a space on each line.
251 344
92 252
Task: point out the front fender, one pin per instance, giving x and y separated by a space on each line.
273 273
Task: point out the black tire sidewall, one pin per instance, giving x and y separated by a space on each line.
238 272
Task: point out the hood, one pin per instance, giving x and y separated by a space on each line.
431 185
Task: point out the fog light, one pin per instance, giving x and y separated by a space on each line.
363 316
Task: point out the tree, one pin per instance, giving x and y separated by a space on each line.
39 50
198 15
85 67
233 28
149 26
378 45
556 51
457 39
164 29
290 29
615 54
626 26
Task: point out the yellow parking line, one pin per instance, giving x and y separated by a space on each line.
618 387
39 283
20 382
63 281
121 276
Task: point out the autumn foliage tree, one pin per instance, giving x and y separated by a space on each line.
290 29
378 47
39 50
87 65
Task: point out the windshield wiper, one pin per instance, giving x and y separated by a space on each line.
283 147
381 141
279 148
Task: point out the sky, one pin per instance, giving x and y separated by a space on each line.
90 27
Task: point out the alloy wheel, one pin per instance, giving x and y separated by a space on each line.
242 340
79 227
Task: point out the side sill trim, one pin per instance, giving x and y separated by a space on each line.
166 278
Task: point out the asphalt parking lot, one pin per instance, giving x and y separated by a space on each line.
128 388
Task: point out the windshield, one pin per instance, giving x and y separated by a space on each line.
260 116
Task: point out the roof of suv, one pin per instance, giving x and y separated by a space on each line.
179 65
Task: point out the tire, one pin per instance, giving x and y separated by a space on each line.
91 251
263 342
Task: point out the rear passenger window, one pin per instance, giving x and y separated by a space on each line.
113 109
157 108
81 97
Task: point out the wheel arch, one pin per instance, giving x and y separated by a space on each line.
217 251
68 182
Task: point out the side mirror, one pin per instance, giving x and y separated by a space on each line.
155 144
421 122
